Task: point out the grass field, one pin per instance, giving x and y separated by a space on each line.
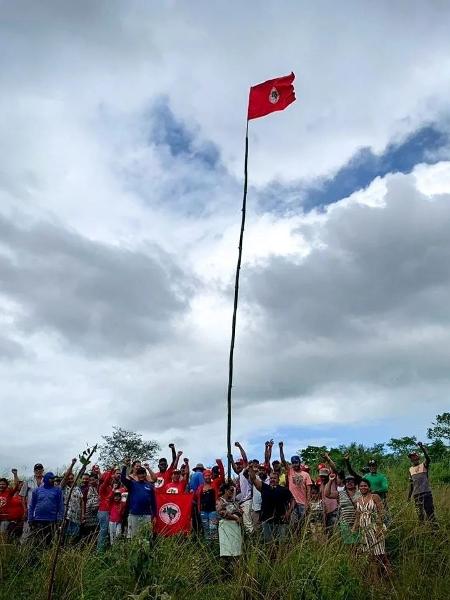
186 569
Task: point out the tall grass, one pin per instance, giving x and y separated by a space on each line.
301 569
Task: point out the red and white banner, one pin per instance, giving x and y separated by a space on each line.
173 513
272 95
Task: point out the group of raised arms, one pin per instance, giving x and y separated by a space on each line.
269 501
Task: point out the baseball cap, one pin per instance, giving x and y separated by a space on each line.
38 466
295 459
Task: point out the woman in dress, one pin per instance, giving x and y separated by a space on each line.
347 498
369 523
230 519
316 515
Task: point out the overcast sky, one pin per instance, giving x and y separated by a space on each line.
121 141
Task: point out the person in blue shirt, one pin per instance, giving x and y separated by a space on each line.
46 509
141 499
195 481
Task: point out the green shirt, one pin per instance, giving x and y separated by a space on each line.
378 482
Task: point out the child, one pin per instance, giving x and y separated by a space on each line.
116 511
316 517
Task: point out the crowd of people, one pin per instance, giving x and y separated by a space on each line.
267 500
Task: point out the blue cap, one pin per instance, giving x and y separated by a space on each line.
295 459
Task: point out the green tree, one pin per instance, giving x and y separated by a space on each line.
403 445
437 450
312 454
125 444
360 454
441 428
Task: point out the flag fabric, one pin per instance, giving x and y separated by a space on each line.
173 513
272 95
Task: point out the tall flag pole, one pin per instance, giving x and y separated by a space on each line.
264 98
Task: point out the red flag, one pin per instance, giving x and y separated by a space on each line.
173 513
272 95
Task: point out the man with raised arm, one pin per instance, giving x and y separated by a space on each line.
141 497
299 484
378 481
26 492
277 504
419 487
244 491
276 464
164 475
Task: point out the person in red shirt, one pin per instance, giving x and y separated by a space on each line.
177 485
218 476
6 493
164 475
16 514
104 493
206 496
185 471
116 515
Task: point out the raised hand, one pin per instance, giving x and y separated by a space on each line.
171 446
280 444
179 453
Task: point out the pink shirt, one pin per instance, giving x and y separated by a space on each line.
329 504
298 480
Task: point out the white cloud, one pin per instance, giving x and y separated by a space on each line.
349 303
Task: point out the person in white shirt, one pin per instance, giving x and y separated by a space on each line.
245 488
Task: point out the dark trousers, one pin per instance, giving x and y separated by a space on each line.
43 531
330 522
424 506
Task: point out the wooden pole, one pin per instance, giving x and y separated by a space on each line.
236 298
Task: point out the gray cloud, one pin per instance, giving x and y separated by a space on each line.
100 298
366 305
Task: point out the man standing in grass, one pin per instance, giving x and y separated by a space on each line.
378 481
141 495
299 483
244 488
26 492
46 509
419 487
277 504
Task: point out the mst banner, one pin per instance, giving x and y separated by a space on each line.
173 513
